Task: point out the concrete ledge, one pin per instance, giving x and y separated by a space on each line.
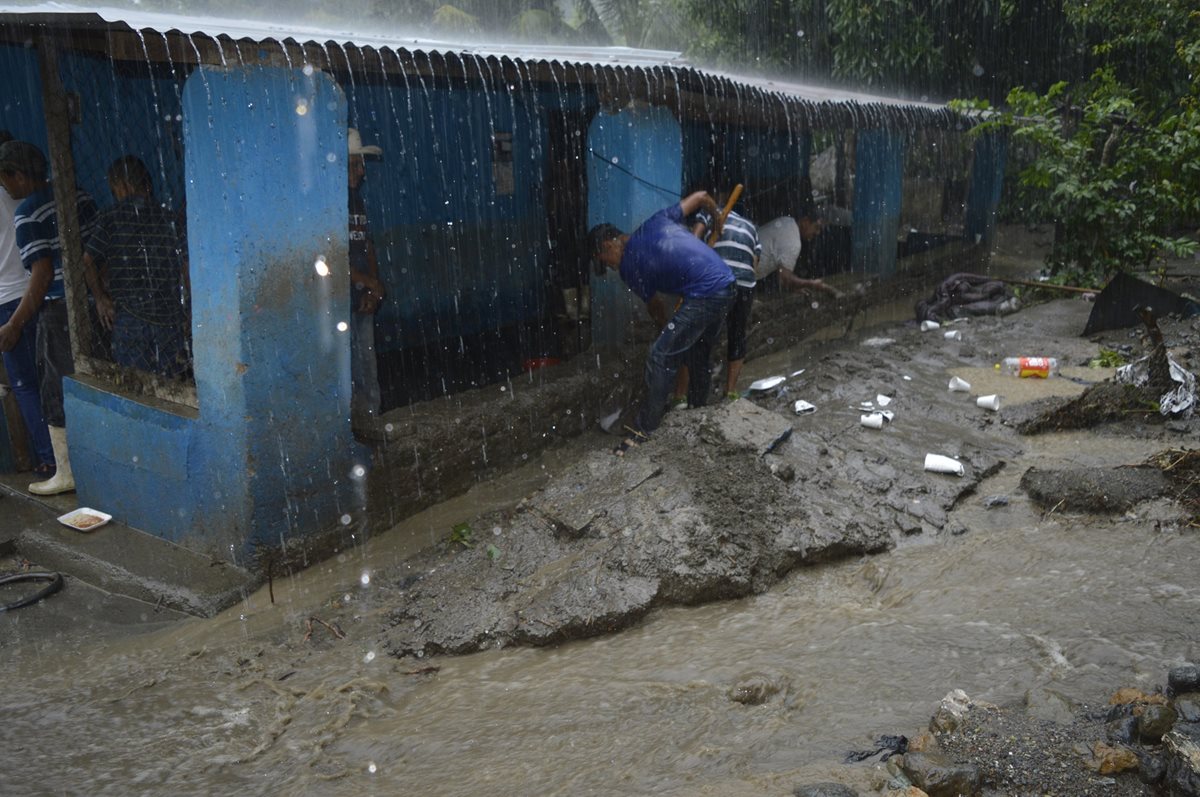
120 560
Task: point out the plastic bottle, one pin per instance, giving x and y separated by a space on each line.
1040 367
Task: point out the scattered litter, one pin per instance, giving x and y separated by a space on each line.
804 408
937 463
991 402
906 378
872 421
1179 401
953 334
878 343
85 519
797 373
607 422
993 501
958 385
926 326
767 383
882 400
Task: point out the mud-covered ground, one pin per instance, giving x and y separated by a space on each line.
724 501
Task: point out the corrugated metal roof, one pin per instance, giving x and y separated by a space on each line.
259 31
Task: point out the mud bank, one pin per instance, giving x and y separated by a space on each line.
726 500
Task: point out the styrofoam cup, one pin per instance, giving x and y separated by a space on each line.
940 464
991 402
928 325
953 334
872 421
960 385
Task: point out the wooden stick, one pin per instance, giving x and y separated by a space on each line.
734 195
1049 285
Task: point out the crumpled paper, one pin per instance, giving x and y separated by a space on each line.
1180 401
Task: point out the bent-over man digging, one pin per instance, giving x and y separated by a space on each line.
663 256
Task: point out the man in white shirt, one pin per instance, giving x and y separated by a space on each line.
20 362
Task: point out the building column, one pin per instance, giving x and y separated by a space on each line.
268 239
878 184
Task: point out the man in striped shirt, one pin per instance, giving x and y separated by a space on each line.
141 295
738 246
23 173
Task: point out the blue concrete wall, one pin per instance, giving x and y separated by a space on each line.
21 109
767 162
878 188
636 170
130 112
270 455
987 179
458 256
119 114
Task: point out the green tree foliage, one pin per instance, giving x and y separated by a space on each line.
1115 159
917 48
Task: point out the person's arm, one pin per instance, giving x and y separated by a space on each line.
792 282
698 230
374 291
694 202
658 310
104 302
41 274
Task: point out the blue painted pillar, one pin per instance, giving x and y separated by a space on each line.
269 455
635 170
266 172
878 184
987 180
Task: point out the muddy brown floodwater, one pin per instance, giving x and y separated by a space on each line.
1024 601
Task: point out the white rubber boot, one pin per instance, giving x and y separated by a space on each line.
62 481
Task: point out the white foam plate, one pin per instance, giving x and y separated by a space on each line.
768 383
85 519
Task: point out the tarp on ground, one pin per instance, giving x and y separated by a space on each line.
1116 305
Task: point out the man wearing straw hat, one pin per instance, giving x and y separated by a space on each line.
367 290
663 257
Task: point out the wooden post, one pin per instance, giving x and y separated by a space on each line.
62 168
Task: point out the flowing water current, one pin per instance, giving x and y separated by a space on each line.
1024 601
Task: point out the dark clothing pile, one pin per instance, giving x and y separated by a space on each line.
965 294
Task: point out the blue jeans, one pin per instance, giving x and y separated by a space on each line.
687 339
21 364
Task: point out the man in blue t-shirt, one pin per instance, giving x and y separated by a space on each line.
662 256
23 174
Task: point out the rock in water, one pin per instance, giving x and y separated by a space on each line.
1184 678
1182 748
756 688
938 776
